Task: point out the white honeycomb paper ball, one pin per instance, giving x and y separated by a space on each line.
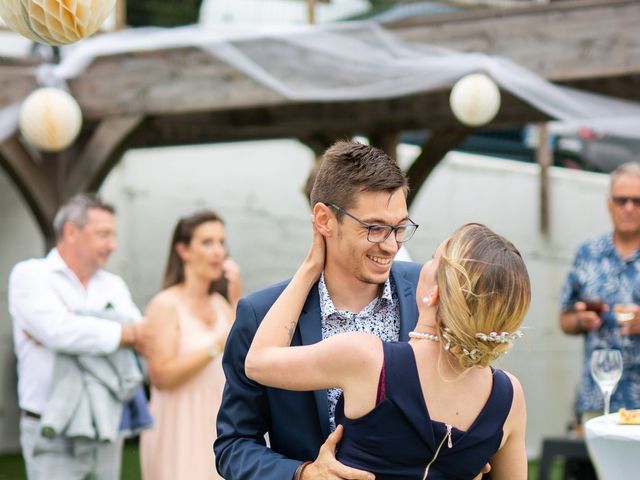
475 99
50 119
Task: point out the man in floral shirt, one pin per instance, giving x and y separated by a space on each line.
606 272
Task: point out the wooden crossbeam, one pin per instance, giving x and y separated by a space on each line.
36 187
101 153
433 151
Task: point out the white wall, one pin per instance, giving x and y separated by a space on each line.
280 12
19 239
256 187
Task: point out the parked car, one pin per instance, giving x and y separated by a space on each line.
578 148
591 150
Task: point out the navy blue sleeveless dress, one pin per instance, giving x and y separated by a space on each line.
397 439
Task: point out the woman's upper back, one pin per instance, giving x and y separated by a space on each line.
398 438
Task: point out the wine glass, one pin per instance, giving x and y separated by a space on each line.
623 313
606 370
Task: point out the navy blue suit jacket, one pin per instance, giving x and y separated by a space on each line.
297 422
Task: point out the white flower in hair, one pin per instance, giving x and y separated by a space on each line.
503 337
471 354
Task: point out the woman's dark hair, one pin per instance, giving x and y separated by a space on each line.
183 233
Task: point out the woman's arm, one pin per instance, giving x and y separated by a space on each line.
510 461
330 363
234 283
166 369
228 315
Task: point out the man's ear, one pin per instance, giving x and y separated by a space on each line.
323 219
69 231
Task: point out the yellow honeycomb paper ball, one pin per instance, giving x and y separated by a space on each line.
55 22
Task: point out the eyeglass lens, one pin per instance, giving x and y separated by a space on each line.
621 201
379 233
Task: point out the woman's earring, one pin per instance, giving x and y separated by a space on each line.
427 300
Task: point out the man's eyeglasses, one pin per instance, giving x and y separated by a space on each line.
379 233
622 201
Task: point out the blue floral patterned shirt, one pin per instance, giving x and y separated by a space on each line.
380 318
599 273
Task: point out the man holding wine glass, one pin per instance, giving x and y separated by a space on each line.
601 296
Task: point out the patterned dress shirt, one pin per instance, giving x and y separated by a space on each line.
599 273
380 318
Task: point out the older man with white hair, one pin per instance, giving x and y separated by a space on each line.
605 277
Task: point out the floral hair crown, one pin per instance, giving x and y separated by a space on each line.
503 337
495 337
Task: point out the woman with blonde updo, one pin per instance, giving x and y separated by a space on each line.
432 408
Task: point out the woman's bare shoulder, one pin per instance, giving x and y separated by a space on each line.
518 414
518 392
163 303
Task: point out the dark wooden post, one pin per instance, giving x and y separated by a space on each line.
386 141
434 149
544 159
46 181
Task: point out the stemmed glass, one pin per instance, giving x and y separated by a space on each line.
624 312
606 370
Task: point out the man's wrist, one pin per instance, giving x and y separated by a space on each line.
128 336
301 467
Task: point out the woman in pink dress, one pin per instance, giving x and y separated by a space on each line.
189 323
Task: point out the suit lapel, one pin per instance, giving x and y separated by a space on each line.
310 326
407 300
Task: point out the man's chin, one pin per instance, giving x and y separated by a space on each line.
101 263
628 231
375 278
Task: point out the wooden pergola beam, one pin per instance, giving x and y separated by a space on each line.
387 141
32 182
416 112
101 153
433 151
185 96
561 41
556 40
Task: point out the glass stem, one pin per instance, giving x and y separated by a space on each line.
607 401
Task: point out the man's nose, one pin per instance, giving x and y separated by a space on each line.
390 244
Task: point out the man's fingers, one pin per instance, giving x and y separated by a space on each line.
332 440
348 473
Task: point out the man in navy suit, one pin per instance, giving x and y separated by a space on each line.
359 206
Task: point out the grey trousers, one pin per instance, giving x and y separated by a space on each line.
64 459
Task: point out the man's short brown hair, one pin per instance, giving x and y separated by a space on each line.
348 168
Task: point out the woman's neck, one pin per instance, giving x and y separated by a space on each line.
195 287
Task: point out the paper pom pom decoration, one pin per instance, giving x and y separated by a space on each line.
55 22
50 119
475 99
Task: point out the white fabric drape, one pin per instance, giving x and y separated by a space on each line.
346 61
